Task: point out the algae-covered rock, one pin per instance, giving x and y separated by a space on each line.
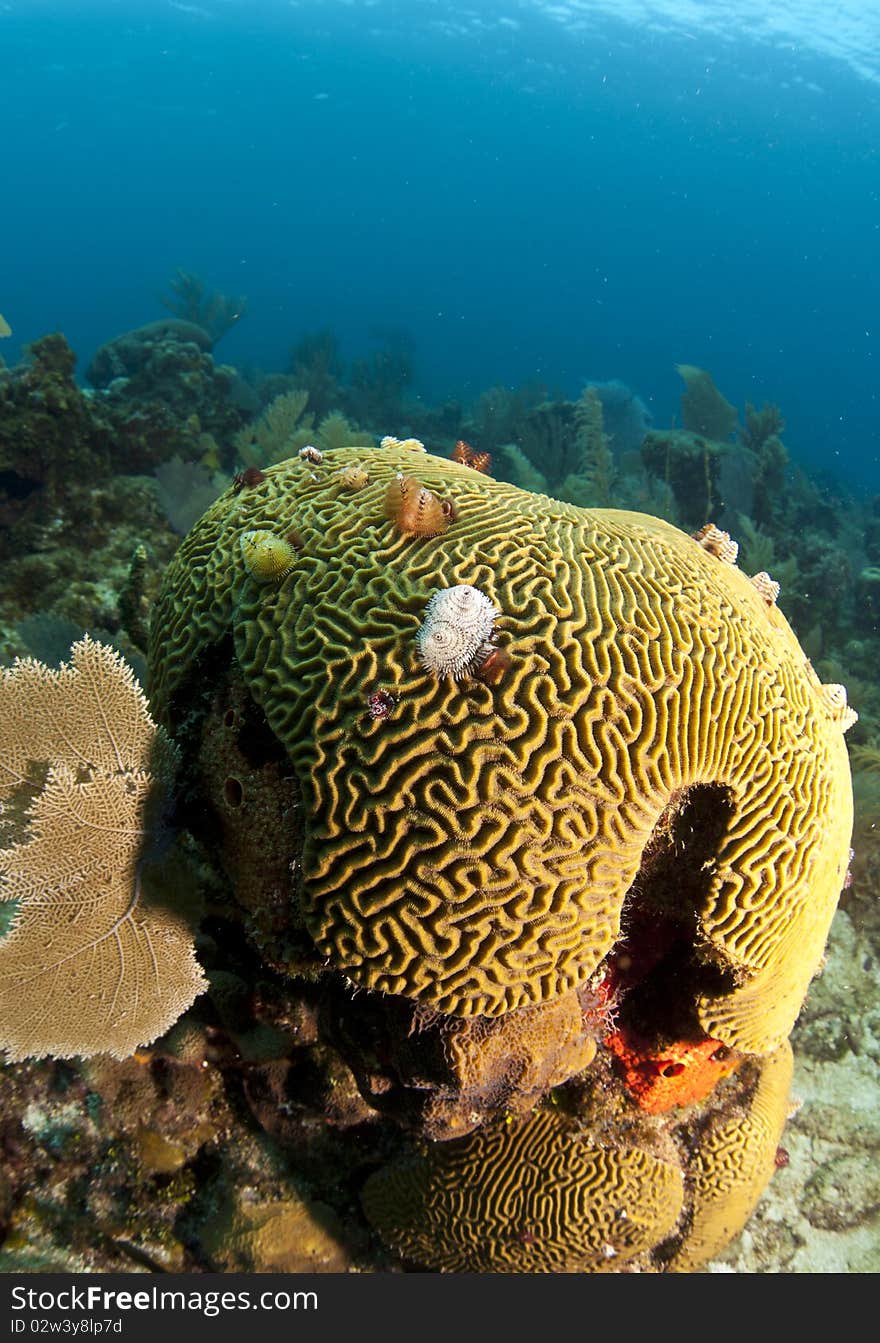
843 1192
290 1236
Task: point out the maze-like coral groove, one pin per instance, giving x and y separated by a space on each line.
537 1197
473 849
733 1162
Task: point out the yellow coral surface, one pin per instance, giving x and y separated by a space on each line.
734 1161
537 1197
474 848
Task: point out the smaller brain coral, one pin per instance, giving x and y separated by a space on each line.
575 1191
457 631
733 1163
534 1197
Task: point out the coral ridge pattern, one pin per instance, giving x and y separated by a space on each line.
473 850
533 1198
519 829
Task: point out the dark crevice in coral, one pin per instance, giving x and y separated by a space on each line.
256 741
189 707
659 966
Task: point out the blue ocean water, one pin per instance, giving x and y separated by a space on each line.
560 191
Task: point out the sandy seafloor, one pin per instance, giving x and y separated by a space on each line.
821 1213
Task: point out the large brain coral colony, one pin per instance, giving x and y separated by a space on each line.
562 916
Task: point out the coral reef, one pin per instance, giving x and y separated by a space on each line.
297 1120
689 464
442 854
706 473
50 434
547 434
317 366
284 428
591 483
75 566
72 516
498 414
186 489
215 312
564 448
703 409
626 418
164 392
96 1161
378 382
133 354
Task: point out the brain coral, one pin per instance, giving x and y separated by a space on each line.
474 848
537 1197
564 1192
733 1162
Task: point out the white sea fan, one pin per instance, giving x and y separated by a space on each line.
458 630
